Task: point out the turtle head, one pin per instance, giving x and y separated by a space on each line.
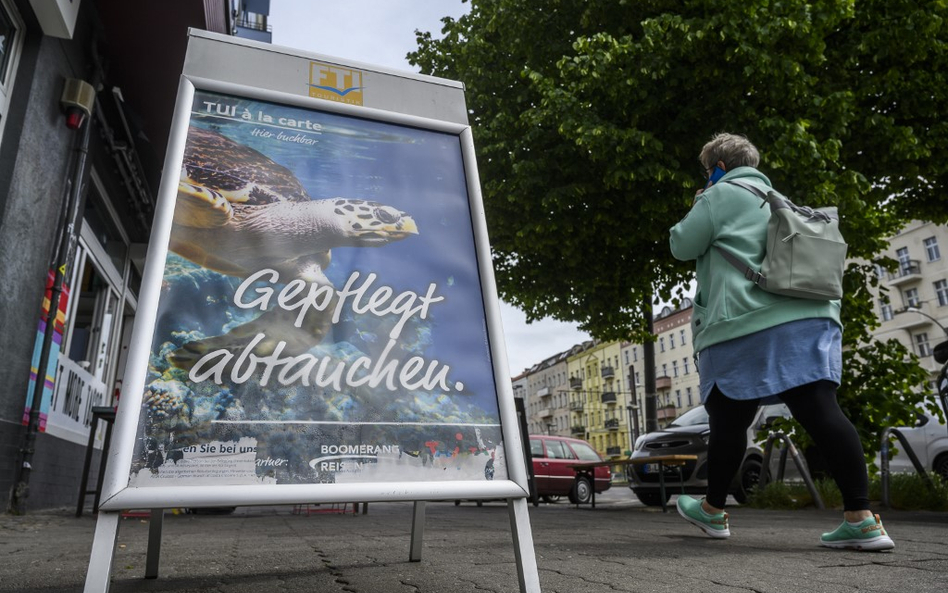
371 223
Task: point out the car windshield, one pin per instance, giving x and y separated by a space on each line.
692 417
585 452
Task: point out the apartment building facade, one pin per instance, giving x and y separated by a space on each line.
912 300
599 398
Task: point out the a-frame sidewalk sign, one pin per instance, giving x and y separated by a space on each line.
318 320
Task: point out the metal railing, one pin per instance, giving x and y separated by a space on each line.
249 24
884 462
797 460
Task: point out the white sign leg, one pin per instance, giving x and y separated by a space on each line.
103 552
523 545
154 543
417 531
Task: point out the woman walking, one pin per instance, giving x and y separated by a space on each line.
756 347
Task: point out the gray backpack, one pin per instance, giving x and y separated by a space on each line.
805 253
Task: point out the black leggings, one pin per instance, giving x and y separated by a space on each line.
814 406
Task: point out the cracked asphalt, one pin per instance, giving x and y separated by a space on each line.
619 546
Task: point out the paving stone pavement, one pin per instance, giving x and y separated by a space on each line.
618 546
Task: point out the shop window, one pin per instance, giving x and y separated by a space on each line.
11 41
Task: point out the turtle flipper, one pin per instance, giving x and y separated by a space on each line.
200 207
277 325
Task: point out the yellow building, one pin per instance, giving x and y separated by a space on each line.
599 398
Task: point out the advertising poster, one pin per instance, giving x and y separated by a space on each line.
320 317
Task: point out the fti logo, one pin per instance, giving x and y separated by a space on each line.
335 83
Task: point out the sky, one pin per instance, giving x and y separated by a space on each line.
382 32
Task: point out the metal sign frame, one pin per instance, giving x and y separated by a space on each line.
404 105
117 494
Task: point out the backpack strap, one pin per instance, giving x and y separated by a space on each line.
748 272
749 187
778 201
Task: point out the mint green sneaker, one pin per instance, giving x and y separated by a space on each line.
868 535
714 525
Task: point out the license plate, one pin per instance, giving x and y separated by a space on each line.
650 468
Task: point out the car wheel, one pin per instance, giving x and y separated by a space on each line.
748 479
581 493
551 498
941 466
653 499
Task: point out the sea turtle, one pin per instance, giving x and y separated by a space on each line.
238 212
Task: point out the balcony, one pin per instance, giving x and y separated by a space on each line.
608 397
544 413
575 406
612 424
544 392
575 383
911 322
577 430
663 383
667 413
908 271
608 373
613 451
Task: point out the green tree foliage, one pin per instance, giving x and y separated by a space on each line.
589 116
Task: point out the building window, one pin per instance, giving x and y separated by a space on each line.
689 395
880 271
911 297
921 345
674 368
684 363
905 260
661 343
664 370
635 353
682 336
941 292
931 249
671 341
678 398
626 358
886 307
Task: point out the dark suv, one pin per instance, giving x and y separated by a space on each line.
688 435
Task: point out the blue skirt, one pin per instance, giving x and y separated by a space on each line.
764 364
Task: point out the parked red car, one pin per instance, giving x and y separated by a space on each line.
552 457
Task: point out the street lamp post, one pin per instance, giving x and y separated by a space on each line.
633 425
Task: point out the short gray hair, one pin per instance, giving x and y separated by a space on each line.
731 149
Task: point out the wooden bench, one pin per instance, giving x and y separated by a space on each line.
588 471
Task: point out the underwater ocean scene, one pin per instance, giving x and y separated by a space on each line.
320 316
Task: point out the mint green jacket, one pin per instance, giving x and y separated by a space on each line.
727 305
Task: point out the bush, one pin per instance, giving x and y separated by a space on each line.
908 492
780 495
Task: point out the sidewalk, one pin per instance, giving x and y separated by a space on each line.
619 546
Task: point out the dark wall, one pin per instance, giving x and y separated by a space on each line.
141 49
35 163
